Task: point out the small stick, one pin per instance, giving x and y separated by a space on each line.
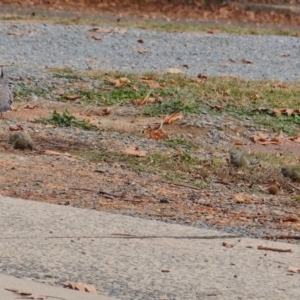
87 190
273 249
295 187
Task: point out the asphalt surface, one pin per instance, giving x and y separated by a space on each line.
131 258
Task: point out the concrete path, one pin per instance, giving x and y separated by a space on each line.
132 258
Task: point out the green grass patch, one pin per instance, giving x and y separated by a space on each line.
178 93
180 168
66 120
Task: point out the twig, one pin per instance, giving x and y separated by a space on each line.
283 236
273 249
295 187
183 185
111 196
87 190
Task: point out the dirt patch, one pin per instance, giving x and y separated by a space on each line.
62 177
175 10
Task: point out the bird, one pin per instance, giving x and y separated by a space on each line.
6 96
292 172
241 159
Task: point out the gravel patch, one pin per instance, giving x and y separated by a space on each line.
30 48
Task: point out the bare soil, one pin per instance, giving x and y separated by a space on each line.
53 173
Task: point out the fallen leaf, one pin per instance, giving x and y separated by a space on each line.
73 97
173 118
134 151
120 82
290 219
140 41
51 152
144 101
81 287
14 33
202 76
16 127
255 97
225 244
185 66
246 61
262 136
174 71
217 107
27 295
142 51
156 133
28 106
152 83
96 38
293 269
213 30
241 198
101 30
90 59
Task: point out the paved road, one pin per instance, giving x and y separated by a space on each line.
132 258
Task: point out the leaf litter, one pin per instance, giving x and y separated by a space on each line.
57 153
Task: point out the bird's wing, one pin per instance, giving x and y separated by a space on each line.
6 99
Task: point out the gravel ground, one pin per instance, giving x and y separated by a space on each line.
29 48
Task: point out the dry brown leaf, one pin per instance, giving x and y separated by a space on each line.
27 295
51 152
16 127
280 85
119 82
140 41
28 106
142 51
81 287
289 111
255 97
14 33
156 134
134 151
202 76
101 30
262 136
145 101
277 112
227 245
175 71
73 97
290 219
293 269
240 198
246 61
217 107
213 30
96 38
173 118
90 59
